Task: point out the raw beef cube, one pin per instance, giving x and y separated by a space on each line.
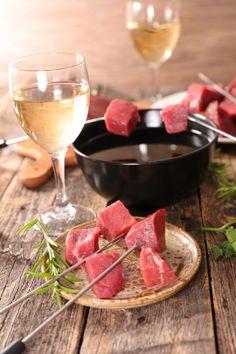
228 108
212 112
113 282
200 95
175 118
233 92
222 121
98 106
227 124
150 230
80 243
155 270
231 86
121 117
115 220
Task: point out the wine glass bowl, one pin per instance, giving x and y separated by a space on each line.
50 94
154 28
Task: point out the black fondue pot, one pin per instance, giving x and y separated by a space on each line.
156 180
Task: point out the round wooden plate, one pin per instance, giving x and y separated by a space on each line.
182 253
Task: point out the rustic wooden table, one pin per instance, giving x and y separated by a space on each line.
201 318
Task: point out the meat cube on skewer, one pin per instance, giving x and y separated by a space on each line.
121 117
114 220
155 270
175 118
98 106
232 86
212 112
227 109
200 95
150 230
80 243
113 282
222 120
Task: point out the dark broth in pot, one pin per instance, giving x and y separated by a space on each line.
142 152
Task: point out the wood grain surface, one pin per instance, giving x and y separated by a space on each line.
222 273
182 324
39 168
202 317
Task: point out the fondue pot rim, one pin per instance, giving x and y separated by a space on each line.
165 160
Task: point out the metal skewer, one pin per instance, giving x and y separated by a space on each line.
206 125
206 79
6 142
18 346
51 281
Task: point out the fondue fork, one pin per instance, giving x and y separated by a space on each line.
18 346
6 142
51 281
197 118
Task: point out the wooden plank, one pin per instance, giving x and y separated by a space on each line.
20 205
223 272
180 324
63 335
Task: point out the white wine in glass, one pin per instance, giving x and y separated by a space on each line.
50 94
154 27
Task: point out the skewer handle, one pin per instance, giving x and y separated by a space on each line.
16 347
3 143
6 142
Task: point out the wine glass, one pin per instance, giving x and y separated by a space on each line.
50 94
154 27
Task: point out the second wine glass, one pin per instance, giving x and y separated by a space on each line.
50 94
154 26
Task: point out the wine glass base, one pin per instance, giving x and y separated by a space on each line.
60 219
148 96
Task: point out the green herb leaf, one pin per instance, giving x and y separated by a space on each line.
227 248
69 290
38 262
227 184
57 295
217 252
39 275
43 290
61 259
27 226
231 236
54 263
72 279
220 228
217 169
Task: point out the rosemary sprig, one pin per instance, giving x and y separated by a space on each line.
226 248
48 254
227 185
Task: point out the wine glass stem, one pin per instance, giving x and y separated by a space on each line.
154 81
58 163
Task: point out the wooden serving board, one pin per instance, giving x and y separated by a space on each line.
182 253
39 170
